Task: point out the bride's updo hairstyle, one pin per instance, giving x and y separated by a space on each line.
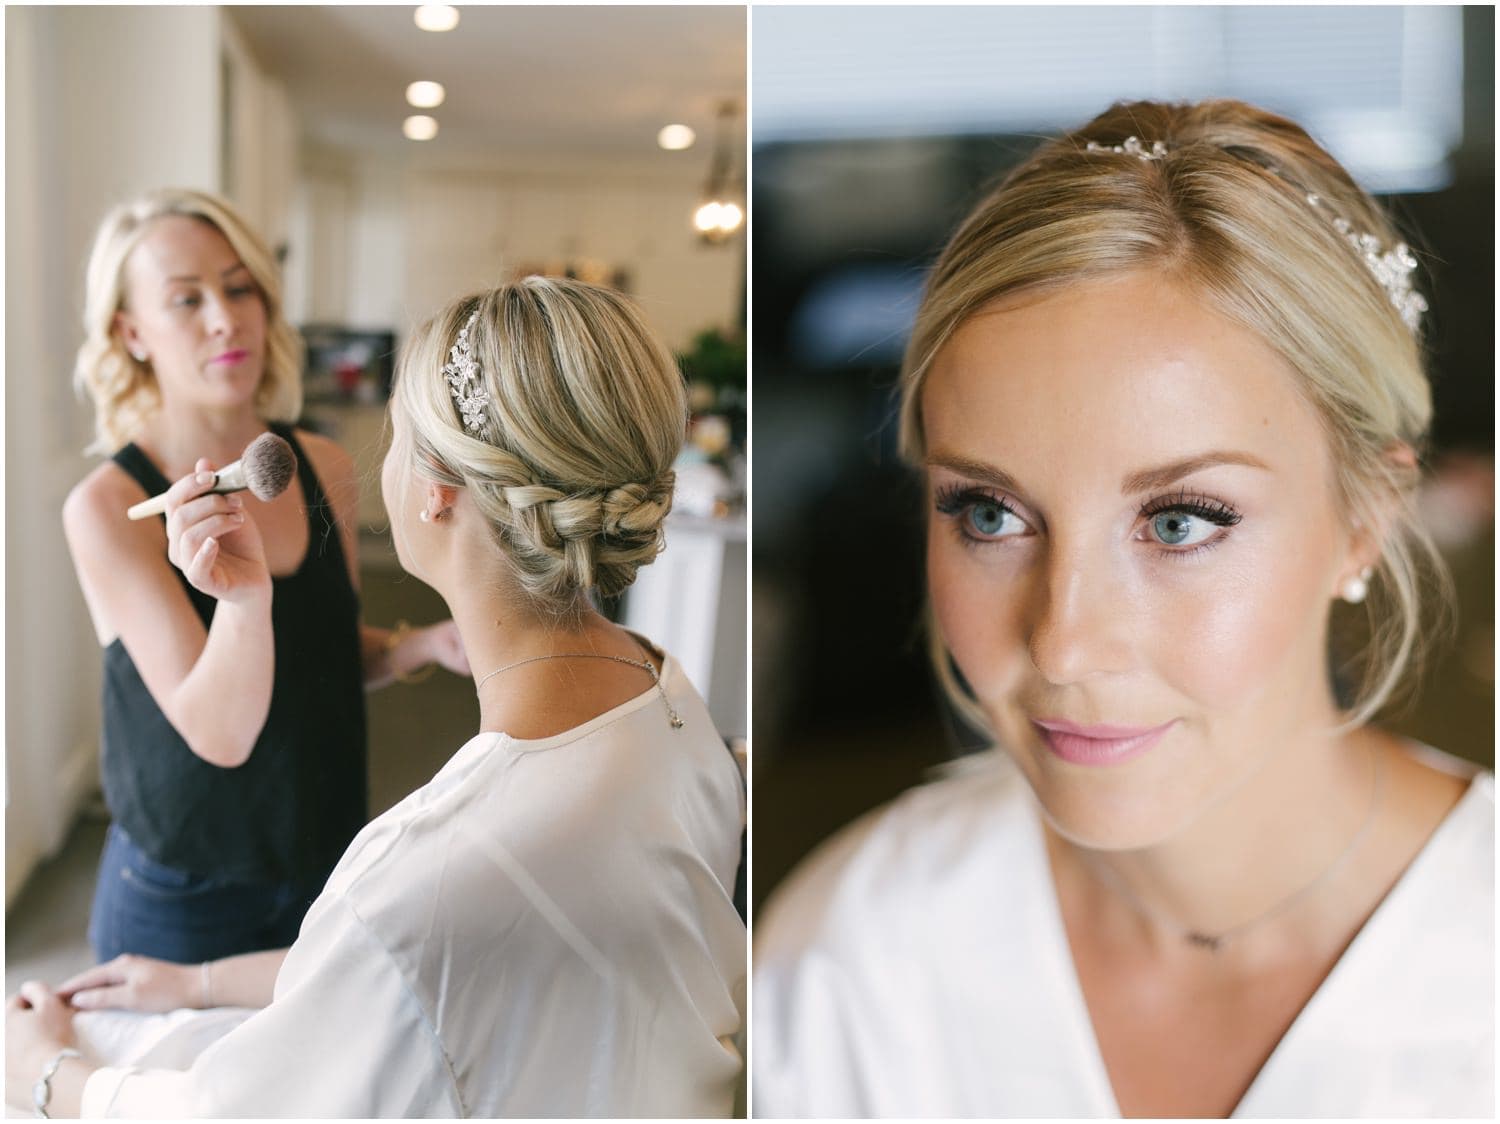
1223 206
570 459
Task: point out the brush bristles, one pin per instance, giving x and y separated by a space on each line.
268 464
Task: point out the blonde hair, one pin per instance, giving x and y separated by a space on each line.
586 415
125 391
1226 211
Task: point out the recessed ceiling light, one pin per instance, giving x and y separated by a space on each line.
436 17
674 138
420 127
426 95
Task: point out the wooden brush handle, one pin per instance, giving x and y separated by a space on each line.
231 479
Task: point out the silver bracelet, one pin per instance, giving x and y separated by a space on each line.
41 1092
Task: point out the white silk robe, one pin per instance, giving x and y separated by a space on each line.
545 929
918 966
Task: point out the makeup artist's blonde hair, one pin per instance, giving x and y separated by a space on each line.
124 391
1226 212
586 415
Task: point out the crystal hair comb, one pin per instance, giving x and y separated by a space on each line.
1392 268
1132 147
465 382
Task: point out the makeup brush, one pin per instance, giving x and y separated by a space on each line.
266 469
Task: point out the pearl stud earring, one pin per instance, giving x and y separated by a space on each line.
425 516
1356 588
138 356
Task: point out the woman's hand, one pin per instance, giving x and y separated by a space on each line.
445 647
38 1024
135 983
213 541
392 654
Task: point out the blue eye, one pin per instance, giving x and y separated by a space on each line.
1178 528
191 300
1184 521
991 519
979 516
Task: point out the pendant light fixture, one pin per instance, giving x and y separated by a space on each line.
721 214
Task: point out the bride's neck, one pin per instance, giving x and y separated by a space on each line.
1239 867
502 629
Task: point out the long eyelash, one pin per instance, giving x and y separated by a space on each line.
1204 507
953 500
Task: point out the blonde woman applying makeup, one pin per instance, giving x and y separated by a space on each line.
235 662
547 928
1166 390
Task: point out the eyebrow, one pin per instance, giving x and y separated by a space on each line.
1150 479
194 277
1146 480
975 470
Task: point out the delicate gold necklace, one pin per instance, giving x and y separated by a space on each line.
1213 942
642 664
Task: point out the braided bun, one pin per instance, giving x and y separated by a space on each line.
586 413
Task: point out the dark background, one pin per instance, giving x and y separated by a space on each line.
847 713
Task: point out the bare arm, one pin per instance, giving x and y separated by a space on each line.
213 684
385 656
139 983
248 980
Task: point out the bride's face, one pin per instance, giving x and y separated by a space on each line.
1133 543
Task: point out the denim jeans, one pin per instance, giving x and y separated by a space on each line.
145 907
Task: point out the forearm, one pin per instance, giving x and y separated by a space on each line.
66 1085
220 707
389 654
248 980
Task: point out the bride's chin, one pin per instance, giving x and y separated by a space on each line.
1101 830
1109 811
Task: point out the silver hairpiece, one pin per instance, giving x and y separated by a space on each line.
465 382
1392 268
1132 147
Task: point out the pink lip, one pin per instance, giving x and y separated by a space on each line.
1098 745
232 356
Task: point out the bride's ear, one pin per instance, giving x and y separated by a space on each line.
440 501
1370 530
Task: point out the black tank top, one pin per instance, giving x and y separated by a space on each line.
289 811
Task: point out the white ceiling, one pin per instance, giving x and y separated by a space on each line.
521 81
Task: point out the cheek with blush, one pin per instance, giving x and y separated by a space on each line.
394 482
386 475
979 610
1245 633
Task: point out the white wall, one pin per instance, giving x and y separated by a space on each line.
470 229
317 268
377 246
102 103
260 150
383 245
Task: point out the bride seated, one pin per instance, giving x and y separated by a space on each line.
547 927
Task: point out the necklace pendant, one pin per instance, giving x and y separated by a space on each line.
1205 940
676 720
